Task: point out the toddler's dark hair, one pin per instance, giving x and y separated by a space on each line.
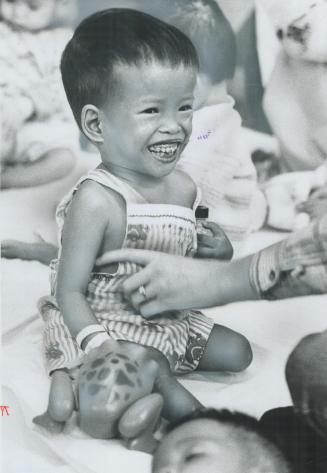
117 36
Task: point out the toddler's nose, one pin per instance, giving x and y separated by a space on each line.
170 125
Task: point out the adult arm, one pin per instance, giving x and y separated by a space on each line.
296 266
293 267
175 282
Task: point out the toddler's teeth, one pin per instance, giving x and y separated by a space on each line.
164 150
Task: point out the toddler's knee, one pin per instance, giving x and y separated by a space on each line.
243 354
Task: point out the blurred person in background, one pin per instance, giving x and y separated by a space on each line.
39 138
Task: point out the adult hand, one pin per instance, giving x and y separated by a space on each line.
175 282
170 282
214 244
316 205
284 193
306 374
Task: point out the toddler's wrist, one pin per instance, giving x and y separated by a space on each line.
95 341
91 336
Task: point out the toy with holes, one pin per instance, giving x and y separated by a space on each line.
115 394
121 392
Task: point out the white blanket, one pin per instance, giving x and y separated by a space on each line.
272 327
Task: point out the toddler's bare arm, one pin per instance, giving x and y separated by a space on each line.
85 225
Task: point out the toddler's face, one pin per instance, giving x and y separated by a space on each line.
201 445
31 15
148 122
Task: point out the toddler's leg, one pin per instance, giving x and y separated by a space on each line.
61 350
178 401
53 165
61 403
226 350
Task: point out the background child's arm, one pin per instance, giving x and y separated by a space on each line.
84 229
39 250
53 165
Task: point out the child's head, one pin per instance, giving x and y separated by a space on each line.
129 79
214 441
35 15
209 30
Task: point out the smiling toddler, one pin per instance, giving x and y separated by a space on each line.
130 80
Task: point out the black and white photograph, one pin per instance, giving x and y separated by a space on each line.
163 236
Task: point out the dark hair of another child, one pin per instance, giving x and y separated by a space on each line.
249 425
211 33
237 419
117 36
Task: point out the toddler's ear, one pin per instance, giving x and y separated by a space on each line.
91 123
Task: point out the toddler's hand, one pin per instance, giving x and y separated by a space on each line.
216 245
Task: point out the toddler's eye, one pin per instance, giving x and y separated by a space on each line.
151 110
192 456
185 108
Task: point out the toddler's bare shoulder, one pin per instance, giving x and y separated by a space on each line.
186 184
92 197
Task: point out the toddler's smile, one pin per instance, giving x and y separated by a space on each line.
165 151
